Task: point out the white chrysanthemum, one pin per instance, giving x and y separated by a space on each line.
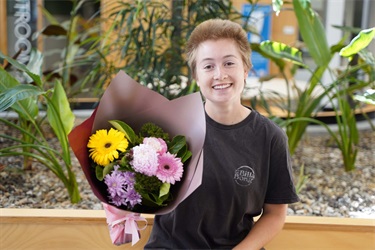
157 143
145 159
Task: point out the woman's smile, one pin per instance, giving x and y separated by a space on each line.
222 86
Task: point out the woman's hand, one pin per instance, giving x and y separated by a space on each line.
266 228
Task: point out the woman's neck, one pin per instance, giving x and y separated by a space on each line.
227 115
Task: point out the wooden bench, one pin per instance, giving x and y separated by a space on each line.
87 229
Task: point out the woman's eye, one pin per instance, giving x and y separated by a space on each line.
207 67
229 63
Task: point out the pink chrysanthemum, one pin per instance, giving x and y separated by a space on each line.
170 168
145 159
159 144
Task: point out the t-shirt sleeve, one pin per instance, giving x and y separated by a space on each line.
280 188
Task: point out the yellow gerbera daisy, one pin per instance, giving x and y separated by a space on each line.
105 145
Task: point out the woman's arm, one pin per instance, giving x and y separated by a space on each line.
266 228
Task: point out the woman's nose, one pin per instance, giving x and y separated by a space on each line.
220 74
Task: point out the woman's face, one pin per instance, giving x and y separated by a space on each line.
220 71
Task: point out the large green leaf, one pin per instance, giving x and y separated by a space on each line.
361 41
26 108
178 142
60 117
312 32
282 51
23 68
61 102
35 62
279 62
10 96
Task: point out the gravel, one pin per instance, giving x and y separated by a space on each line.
329 191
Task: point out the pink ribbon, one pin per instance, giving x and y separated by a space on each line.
122 225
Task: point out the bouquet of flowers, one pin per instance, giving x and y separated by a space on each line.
138 169
140 152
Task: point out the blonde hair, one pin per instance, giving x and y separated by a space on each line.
215 29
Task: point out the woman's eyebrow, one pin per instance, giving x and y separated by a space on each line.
211 59
227 56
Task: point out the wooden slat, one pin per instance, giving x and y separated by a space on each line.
328 233
55 229
3 27
86 229
40 24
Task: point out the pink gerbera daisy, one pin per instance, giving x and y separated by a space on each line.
170 168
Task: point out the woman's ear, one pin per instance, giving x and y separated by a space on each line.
196 80
246 74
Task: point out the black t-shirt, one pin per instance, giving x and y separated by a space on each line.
245 165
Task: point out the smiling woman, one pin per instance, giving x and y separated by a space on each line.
247 169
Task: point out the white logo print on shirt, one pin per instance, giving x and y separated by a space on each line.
244 175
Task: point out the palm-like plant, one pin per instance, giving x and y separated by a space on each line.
25 98
300 113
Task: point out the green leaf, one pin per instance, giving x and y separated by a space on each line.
184 153
186 156
107 169
312 32
26 108
10 96
99 173
125 128
368 97
36 78
164 189
60 117
361 41
61 102
177 143
35 62
151 201
282 51
279 62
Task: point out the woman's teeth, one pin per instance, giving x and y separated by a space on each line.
222 86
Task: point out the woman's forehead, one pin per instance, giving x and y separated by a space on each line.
214 49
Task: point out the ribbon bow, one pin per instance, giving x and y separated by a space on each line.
122 225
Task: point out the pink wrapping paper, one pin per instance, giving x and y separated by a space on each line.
135 104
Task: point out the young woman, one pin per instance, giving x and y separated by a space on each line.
247 166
